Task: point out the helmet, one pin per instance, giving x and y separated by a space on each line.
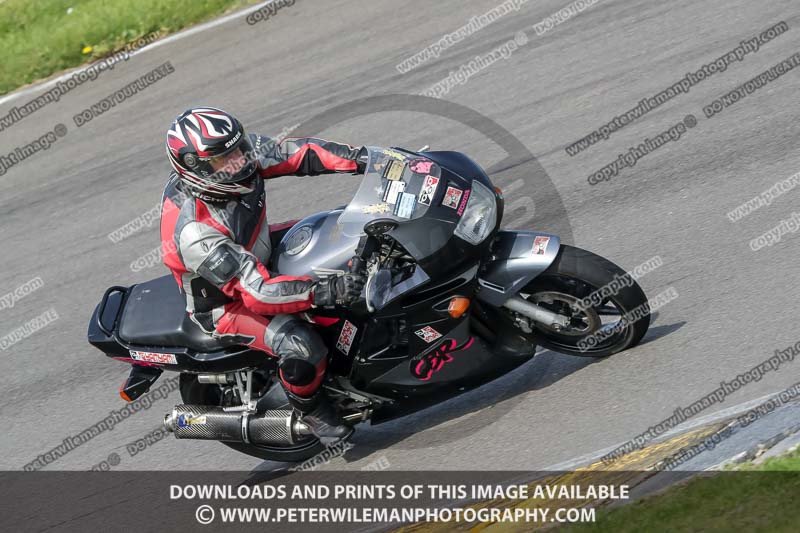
212 154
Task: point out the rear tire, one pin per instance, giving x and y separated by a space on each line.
574 275
195 393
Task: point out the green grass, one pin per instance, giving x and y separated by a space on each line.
39 38
755 498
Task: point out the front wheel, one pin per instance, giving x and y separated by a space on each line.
607 310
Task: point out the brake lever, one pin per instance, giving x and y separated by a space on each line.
372 269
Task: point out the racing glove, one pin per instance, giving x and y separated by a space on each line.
341 290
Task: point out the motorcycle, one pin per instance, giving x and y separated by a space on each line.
451 302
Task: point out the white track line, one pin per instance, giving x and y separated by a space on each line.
41 86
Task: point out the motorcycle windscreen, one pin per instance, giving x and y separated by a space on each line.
396 185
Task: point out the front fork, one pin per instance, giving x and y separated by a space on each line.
537 313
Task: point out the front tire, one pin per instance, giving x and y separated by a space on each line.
195 393
574 275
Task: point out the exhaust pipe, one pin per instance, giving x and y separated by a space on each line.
204 422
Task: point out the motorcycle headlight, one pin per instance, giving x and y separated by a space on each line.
480 215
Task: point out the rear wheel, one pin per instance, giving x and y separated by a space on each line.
598 326
195 393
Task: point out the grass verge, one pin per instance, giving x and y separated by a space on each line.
39 38
753 498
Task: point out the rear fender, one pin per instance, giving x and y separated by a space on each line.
517 258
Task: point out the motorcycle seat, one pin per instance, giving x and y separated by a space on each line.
155 315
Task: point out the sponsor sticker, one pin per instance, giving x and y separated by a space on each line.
346 337
428 190
394 170
422 166
375 208
540 245
428 334
190 419
392 153
451 197
151 357
463 204
405 205
393 190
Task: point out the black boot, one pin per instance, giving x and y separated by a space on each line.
319 414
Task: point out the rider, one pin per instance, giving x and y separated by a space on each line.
216 241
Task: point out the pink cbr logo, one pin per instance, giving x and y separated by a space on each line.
435 360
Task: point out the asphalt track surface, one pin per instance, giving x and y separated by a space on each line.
735 306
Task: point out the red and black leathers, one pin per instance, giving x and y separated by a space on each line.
217 251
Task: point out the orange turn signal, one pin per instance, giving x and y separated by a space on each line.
458 306
124 396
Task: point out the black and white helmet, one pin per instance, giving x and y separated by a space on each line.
212 154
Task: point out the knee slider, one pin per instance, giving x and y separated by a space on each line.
299 347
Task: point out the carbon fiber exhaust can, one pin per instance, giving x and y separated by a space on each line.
205 422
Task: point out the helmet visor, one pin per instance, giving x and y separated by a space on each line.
231 163
236 165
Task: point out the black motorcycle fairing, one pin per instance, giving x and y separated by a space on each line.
390 344
172 339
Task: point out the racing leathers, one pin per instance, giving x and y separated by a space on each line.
218 252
